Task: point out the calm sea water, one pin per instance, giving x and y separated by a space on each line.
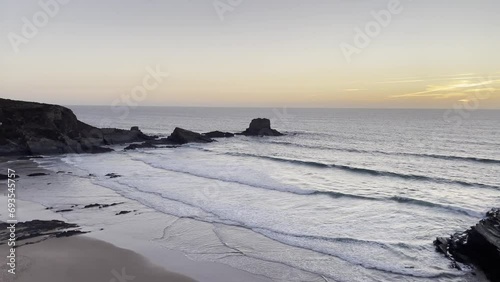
354 195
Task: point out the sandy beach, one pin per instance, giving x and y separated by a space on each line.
82 259
111 242
250 141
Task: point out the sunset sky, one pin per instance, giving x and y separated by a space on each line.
431 54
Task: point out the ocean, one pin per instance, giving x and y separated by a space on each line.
345 195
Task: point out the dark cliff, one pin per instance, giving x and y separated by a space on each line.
34 128
479 245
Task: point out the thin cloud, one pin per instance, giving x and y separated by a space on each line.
400 81
463 76
458 89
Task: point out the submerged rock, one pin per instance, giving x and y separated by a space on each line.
113 175
101 205
38 174
218 134
183 136
64 210
146 144
261 127
122 212
120 136
28 128
480 245
27 158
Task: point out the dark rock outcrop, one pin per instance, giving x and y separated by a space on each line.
183 136
27 158
480 245
38 174
158 143
101 205
64 210
218 134
113 175
28 128
261 127
37 228
122 212
146 144
121 136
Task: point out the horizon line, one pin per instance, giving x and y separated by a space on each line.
278 107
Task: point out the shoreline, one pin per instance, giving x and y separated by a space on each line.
78 258
144 230
120 236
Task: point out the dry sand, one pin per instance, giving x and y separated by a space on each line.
81 259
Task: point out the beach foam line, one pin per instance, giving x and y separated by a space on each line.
351 150
299 191
399 249
366 170
374 263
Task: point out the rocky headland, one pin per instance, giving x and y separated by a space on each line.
479 246
29 129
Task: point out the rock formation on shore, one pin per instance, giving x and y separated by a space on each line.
183 136
178 137
261 127
38 228
218 134
480 245
28 128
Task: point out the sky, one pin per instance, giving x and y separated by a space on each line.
255 53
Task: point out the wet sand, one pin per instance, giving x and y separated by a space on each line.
112 242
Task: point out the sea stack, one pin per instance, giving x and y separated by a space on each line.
261 127
182 136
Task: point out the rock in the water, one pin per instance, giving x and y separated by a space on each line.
38 174
28 128
101 205
27 158
261 127
218 134
97 150
480 245
146 144
183 136
113 175
121 136
123 212
64 210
